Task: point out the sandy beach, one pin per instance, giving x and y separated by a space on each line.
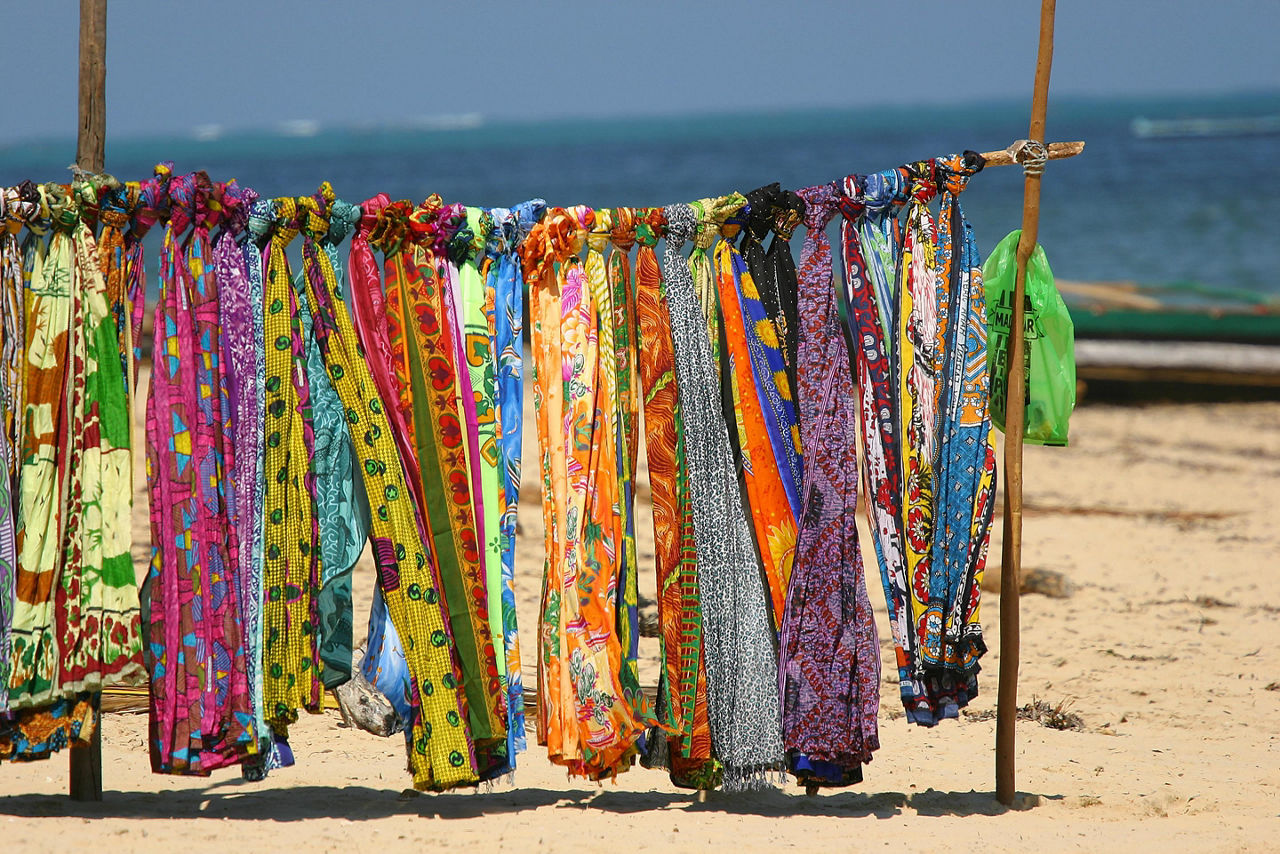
1161 518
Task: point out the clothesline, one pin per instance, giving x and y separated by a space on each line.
195 203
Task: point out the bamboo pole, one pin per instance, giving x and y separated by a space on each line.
1011 555
86 759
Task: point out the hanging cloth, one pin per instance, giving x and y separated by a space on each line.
881 446
829 672
423 341
684 745
342 509
759 396
965 460
740 659
291 572
609 402
586 716
200 713
475 308
504 276
17 206
440 754
621 227
916 335
788 210
75 620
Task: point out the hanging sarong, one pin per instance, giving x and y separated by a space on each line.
341 513
759 395
291 573
868 323
200 713
475 308
965 460
17 206
440 752
740 659
505 277
423 343
586 717
684 745
75 620
609 401
829 672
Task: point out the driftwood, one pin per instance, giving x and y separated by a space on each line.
1046 582
363 706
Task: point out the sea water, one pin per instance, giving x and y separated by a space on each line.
1156 211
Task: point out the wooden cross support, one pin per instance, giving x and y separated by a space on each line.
1015 415
86 759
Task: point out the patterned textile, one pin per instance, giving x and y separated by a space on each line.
75 620
423 348
951 636
685 745
587 718
201 717
440 752
476 307
291 572
505 277
38 733
17 206
867 317
758 394
829 671
741 667
343 518
622 526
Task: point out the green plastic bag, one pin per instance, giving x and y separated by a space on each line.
1049 349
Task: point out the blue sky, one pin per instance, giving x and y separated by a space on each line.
174 65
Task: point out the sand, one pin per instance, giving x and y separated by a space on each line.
1162 518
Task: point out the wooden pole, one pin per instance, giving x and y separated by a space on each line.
86 759
1011 555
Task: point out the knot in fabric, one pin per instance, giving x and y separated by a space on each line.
452 222
188 201
923 186
236 204
313 212
21 204
286 221
761 203
598 237
819 205
623 228
881 190
391 228
152 204
681 223
503 234
64 210
549 242
528 214
343 217
369 211
424 223
484 227
113 207
952 173
851 203
261 221
711 215
651 224
788 213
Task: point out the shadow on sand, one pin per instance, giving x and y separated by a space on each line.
361 803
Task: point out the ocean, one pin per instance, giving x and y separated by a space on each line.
1154 211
